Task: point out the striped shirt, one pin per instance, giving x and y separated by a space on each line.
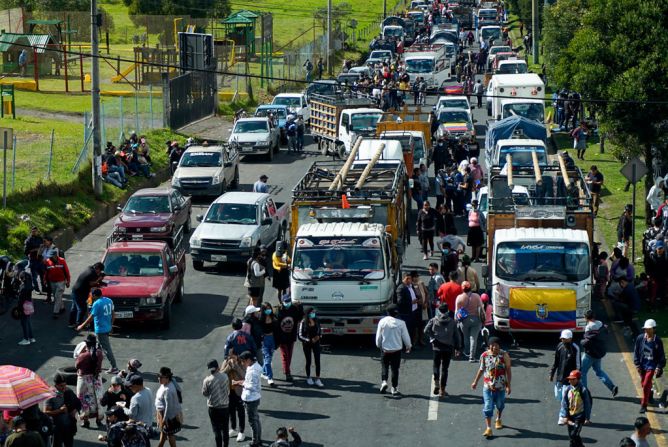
216 388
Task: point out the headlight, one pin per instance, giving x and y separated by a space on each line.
150 301
121 229
263 143
195 242
501 306
372 309
216 179
246 241
175 181
159 229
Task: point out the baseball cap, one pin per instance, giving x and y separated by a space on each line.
135 379
18 420
566 334
116 380
575 374
251 310
659 244
649 324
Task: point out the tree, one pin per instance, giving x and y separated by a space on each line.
620 55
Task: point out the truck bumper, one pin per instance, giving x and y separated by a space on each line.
243 150
127 314
204 191
502 324
223 255
349 325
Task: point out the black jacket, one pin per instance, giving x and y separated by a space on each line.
256 329
306 332
32 244
404 299
288 324
593 342
566 359
426 220
443 333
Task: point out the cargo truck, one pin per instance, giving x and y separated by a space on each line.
515 94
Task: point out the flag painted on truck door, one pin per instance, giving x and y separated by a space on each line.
542 309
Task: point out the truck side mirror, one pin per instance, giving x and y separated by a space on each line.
484 271
227 164
199 218
173 269
119 207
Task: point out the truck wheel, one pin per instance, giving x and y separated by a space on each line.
341 151
323 147
223 188
182 290
198 265
166 321
235 180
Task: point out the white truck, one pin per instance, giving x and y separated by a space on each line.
394 32
411 141
489 33
255 136
521 152
429 62
207 170
516 92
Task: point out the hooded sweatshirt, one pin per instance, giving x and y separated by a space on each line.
392 335
593 342
655 196
443 333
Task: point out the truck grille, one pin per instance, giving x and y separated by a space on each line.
219 244
336 309
125 303
196 183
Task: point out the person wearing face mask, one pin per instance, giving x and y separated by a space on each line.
566 359
310 334
252 325
269 325
116 393
289 316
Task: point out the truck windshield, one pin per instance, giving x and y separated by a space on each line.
453 103
493 33
522 155
542 261
394 32
532 110
453 117
365 121
405 140
200 160
512 68
380 54
338 259
292 101
487 14
251 127
278 113
133 264
499 49
232 213
419 65
147 204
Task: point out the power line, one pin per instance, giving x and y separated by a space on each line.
303 81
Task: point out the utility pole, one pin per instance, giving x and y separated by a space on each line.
95 99
384 9
329 36
535 34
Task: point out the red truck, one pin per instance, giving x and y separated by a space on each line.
144 278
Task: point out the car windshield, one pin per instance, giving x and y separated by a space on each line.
133 264
416 16
379 54
453 117
512 68
522 155
147 204
532 110
290 101
499 50
346 78
454 103
542 261
278 113
396 32
200 160
251 127
365 121
420 65
232 213
487 14
345 258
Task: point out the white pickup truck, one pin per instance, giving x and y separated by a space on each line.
234 225
255 136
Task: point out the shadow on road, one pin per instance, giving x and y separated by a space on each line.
292 415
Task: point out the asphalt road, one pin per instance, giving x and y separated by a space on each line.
349 410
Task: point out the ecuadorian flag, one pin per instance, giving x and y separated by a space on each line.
542 309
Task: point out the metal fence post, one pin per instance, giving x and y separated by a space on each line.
48 172
150 103
137 113
122 124
14 163
103 127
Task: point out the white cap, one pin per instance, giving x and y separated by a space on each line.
251 310
566 334
649 324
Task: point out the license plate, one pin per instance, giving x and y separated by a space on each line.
123 315
338 330
137 237
247 149
219 258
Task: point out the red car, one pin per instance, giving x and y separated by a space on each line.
154 214
457 89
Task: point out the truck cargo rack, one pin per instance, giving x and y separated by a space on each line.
383 182
177 242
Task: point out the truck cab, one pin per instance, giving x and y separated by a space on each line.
521 152
393 31
207 170
357 122
533 109
516 89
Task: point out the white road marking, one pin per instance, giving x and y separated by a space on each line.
432 413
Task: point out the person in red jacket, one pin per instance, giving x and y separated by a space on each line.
58 276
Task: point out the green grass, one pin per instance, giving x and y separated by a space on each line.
67 203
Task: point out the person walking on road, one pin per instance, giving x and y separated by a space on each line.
624 229
477 229
269 327
280 261
593 351
642 429
141 403
239 340
468 313
576 405
26 308
289 316
310 334
436 280
595 181
282 438
89 278
102 314
650 360
496 373
407 303
251 394
566 359
89 383
63 408
235 372
167 408
445 339
58 279
468 273
216 389
261 184
449 291
256 274
478 91
391 338
426 227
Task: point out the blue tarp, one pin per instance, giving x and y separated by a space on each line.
505 128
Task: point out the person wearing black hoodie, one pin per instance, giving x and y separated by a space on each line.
593 351
310 334
289 316
566 359
445 339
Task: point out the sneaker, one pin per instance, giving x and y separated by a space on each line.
383 386
615 390
288 378
442 393
270 382
437 389
112 371
498 424
241 437
561 421
24 342
32 340
233 433
319 383
488 433
424 258
395 391
309 381
264 376
643 409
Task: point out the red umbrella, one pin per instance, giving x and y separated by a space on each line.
21 388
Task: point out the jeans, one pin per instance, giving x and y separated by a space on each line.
493 399
575 430
57 289
315 348
646 377
427 238
471 327
390 361
254 419
114 178
78 309
36 270
590 362
286 355
219 418
26 326
106 346
441 365
118 170
268 348
236 409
